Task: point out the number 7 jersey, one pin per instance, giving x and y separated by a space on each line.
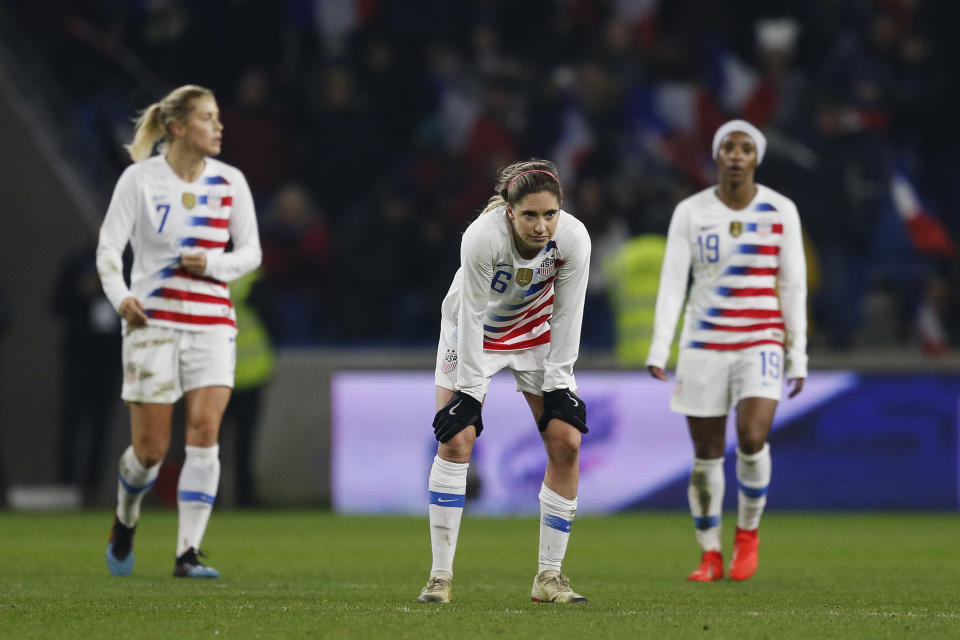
749 283
162 216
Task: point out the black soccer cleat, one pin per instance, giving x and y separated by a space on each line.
189 566
120 549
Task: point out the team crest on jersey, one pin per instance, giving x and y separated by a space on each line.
764 229
189 200
547 267
524 277
736 228
449 361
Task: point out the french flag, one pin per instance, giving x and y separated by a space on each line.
927 233
738 88
575 142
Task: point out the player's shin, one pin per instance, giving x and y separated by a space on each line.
753 478
447 490
705 495
133 483
556 518
196 493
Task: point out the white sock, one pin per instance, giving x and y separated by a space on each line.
134 480
447 489
196 493
705 495
556 517
753 478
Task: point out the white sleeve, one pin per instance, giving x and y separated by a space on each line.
793 294
476 259
672 291
115 232
570 292
246 254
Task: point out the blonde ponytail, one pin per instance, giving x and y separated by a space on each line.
153 125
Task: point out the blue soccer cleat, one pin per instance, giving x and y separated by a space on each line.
189 566
120 549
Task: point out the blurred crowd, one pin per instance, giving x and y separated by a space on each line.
370 132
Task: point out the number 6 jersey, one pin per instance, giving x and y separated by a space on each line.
501 301
749 278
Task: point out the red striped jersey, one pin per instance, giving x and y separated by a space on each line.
749 278
161 216
501 301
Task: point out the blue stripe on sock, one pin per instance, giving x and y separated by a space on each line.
196 496
558 523
129 488
706 522
447 499
752 492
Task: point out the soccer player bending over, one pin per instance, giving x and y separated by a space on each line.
744 332
177 210
516 302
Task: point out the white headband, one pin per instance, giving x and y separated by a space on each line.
745 127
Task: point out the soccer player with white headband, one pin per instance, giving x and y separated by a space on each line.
517 303
178 211
744 334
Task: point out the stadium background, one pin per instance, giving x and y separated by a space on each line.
370 135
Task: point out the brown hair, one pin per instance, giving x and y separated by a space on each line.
520 179
153 124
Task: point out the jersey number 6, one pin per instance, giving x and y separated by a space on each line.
500 280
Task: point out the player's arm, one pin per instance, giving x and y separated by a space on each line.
560 400
671 292
464 408
246 254
793 299
477 260
115 232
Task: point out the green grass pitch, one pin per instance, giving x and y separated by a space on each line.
312 574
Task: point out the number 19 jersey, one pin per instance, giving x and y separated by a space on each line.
748 278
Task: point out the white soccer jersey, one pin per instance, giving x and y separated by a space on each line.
739 260
504 302
161 216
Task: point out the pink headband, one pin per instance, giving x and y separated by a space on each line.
509 184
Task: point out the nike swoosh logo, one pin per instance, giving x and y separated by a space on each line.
449 500
155 198
504 264
454 407
574 400
708 227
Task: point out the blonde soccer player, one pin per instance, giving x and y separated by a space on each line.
177 210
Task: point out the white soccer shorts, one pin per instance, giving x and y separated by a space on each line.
709 382
526 364
161 364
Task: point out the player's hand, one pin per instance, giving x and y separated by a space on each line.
657 373
797 384
563 404
462 411
195 263
133 312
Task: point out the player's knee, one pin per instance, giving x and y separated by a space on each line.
459 447
563 445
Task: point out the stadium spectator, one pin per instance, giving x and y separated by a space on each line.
516 302
89 378
297 256
178 211
744 332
